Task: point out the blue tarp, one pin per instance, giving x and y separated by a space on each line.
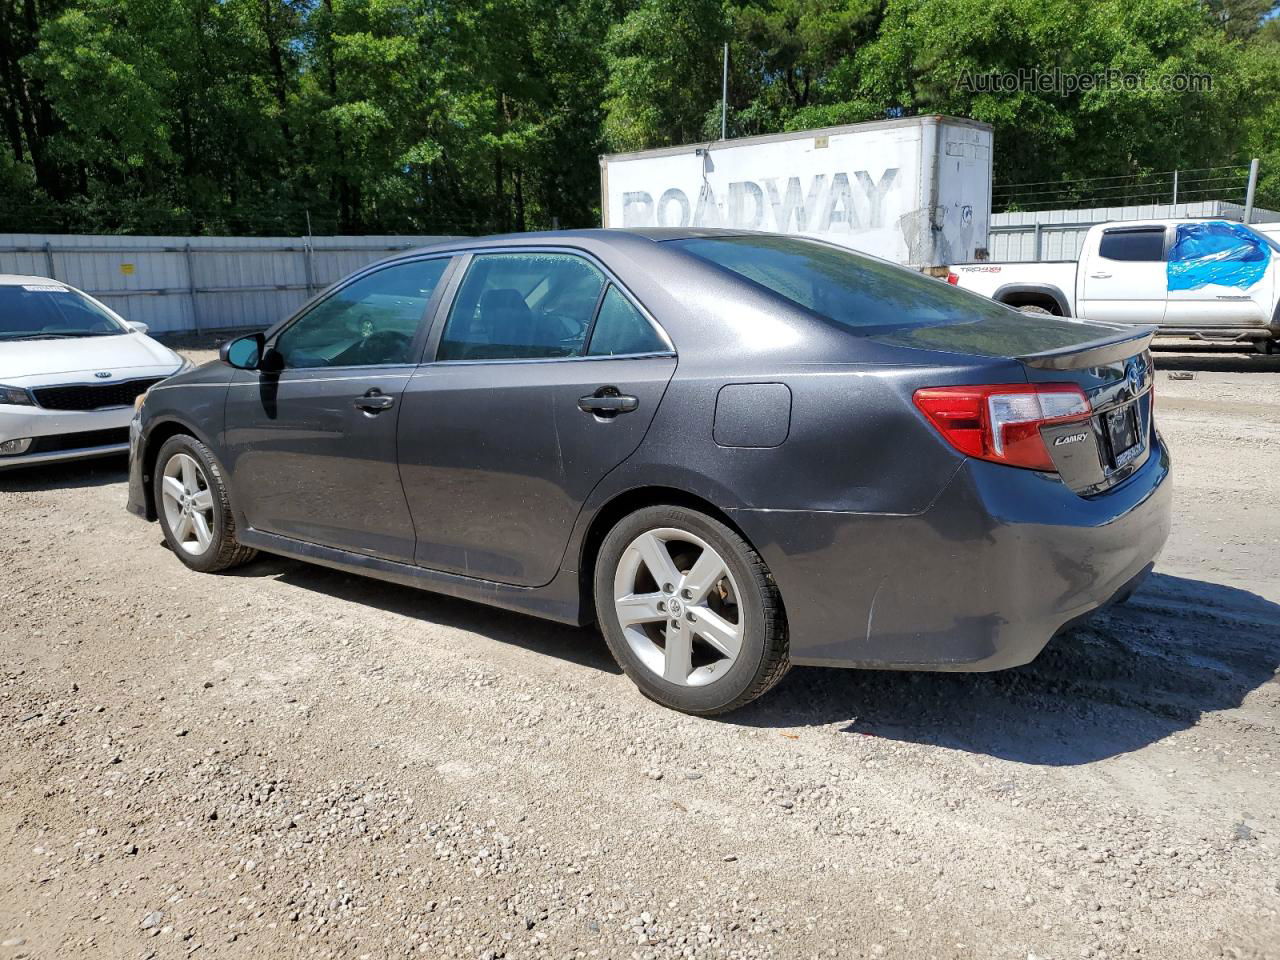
1217 252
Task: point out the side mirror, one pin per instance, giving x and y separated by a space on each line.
137 326
244 353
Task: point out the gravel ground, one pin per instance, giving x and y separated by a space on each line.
290 761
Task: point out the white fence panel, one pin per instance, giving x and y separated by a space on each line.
188 284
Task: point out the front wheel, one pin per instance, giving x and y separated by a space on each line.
195 507
689 611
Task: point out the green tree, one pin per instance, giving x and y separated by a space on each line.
664 62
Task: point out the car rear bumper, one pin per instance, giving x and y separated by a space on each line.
63 434
982 580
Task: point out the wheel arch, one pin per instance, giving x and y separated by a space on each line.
156 435
1033 295
627 502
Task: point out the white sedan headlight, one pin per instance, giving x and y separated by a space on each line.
15 396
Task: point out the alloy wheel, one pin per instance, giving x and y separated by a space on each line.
188 503
677 603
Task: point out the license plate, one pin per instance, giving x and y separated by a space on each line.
1122 431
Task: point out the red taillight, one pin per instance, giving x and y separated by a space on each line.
953 278
1002 422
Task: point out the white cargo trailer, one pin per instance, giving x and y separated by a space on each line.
915 190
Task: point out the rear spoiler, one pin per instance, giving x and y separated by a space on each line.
1094 353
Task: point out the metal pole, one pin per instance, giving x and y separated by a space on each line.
1175 191
1039 242
308 269
1253 185
191 286
724 96
48 260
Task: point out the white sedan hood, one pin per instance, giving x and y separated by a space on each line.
31 362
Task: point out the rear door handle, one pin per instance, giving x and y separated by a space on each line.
374 401
607 403
1100 276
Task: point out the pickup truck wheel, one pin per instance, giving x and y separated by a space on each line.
1037 311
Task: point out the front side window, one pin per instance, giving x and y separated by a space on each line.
38 311
522 306
370 322
621 329
1133 245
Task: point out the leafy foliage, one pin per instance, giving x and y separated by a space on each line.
443 116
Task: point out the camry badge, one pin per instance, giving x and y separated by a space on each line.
1069 438
103 374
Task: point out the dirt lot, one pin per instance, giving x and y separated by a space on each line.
293 762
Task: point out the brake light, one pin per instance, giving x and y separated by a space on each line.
1002 422
953 279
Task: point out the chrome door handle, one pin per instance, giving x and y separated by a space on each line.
1100 276
374 401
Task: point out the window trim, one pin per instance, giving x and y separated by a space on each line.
431 355
1165 246
425 321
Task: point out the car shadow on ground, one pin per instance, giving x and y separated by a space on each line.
1132 676
67 475
582 646
1179 649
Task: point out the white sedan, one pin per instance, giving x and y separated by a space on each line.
70 369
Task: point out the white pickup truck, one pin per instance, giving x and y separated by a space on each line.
1211 279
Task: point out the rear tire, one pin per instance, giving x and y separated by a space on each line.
194 507
690 611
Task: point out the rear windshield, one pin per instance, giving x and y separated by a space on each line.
850 289
36 311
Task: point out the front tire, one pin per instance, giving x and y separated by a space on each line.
690 611
195 508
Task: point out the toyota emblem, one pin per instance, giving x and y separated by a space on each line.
1133 377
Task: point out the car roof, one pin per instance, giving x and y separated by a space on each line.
16 280
603 236
1167 222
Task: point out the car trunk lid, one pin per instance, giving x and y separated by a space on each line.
1116 373
1110 363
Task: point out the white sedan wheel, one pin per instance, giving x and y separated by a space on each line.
188 503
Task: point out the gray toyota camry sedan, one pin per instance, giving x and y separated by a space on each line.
733 451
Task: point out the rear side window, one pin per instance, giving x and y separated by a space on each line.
522 306
853 290
1143 245
621 329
